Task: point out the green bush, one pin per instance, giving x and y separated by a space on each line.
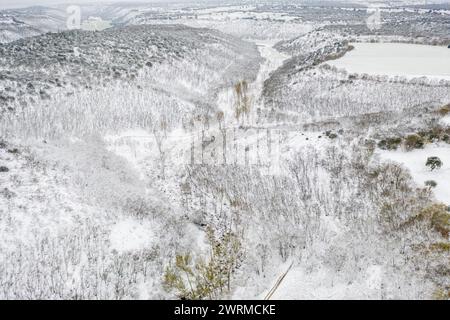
445 110
431 183
439 217
331 135
441 294
389 143
440 246
435 134
446 138
434 163
414 141
205 279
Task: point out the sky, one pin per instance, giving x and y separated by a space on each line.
4 4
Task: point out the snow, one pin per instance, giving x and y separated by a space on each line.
445 121
322 283
124 200
130 235
273 59
95 24
415 161
397 59
299 285
132 145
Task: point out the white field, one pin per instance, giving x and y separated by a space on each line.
396 59
415 161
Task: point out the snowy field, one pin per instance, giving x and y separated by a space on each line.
396 59
415 162
224 152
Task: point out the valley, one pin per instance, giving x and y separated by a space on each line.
239 151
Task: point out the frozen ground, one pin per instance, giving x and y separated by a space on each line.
415 161
397 59
323 284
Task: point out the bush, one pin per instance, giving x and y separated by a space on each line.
331 135
441 294
437 133
8 194
414 141
242 99
389 143
434 163
445 110
13 151
440 246
441 222
205 279
431 183
3 169
439 218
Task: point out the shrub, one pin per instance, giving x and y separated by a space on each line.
441 222
175 278
441 294
435 134
331 135
446 138
13 151
445 110
242 99
8 194
389 143
440 246
434 163
431 183
3 169
414 141
205 279
439 218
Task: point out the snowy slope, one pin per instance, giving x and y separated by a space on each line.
21 23
63 182
71 66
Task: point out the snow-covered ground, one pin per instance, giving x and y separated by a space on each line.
240 130
131 235
140 148
396 59
323 284
415 162
446 121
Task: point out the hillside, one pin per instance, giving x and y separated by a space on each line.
62 183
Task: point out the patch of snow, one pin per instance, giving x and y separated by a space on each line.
397 59
131 234
445 121
415 161
95 24
323 284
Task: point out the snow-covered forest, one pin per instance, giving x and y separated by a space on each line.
202 150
